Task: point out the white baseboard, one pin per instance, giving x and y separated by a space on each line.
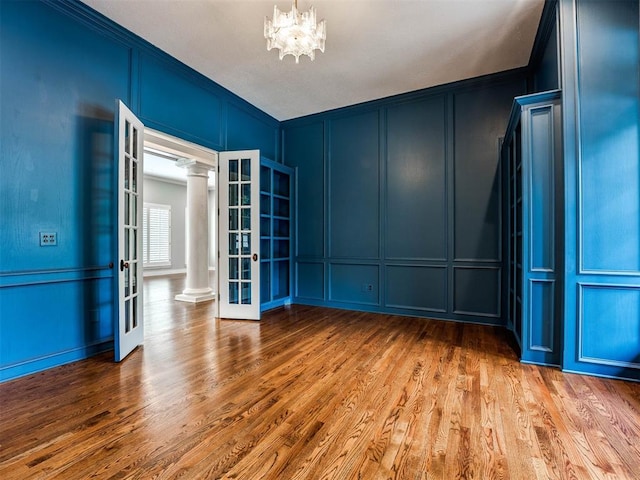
163 272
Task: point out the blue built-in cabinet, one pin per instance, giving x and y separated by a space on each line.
591 50
532 161
600 73
63 67
399 202
276 233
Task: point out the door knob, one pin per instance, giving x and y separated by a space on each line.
123 265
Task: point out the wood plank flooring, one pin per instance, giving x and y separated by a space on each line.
315 393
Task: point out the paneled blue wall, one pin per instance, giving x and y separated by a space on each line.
399 201
63 66
545 57
168 92
547 76
601 109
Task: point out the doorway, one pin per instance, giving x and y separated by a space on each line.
166 229
246 209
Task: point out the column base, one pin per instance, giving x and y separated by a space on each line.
196 295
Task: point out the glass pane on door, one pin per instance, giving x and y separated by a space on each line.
130 221
239 181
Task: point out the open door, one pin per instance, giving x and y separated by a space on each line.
239 234
129 328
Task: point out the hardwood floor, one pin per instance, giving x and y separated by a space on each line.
315 393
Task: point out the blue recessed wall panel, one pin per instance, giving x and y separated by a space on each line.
416 213
422 288
179 103
476 291
542 332
76 321
354 284
547 74
303 147
354 183
480 119
612 314
310 284
246 127
609 86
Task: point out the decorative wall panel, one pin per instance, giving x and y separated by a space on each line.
609 325
417 287
476 291
310 280
357 284
480 119
354 187
542 318
172 101
416 212
304 150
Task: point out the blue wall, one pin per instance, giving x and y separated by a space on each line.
399 202
63 66
544 63
547 77
601 110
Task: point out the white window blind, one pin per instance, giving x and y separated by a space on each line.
156 232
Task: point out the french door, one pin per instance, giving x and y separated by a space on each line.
239 234
129 328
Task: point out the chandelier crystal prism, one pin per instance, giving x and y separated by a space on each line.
295 33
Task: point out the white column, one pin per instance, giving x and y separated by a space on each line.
197 287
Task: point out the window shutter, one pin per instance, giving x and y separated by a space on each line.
156 235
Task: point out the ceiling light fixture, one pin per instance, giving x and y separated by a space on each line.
295 33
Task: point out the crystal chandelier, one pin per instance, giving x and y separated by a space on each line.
295 33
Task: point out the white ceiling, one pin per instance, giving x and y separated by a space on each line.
164 168
374 48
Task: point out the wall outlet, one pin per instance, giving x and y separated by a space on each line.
48 239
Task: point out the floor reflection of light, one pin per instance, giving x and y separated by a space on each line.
170 384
